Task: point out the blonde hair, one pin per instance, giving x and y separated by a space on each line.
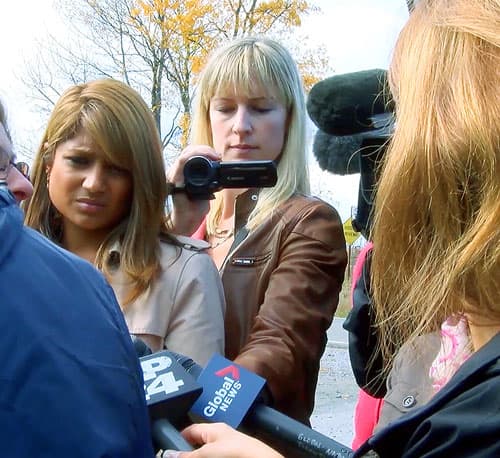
437 211
241 66
122 126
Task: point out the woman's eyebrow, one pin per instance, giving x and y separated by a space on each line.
81 149
251 99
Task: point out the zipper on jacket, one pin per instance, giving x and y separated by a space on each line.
221 270
242 262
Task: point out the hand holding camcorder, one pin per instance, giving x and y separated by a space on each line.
203 177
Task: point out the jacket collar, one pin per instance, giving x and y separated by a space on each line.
179 240
244 205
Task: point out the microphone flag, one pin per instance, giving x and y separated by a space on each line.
229 390
170 391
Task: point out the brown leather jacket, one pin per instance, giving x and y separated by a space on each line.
282 285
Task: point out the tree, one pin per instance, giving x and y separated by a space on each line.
158 47
410 4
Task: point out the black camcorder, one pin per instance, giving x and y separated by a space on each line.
203 177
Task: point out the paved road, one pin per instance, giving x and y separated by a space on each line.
336 392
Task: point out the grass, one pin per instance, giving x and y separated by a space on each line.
344 299
344 306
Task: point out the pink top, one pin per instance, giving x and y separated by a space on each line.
201 232
456 347
367 410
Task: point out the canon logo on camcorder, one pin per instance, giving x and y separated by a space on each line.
225 395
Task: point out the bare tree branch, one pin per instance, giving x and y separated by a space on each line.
155 46
410 4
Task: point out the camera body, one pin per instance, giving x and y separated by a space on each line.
203 177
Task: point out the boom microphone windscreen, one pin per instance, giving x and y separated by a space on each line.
344 104
338 154
355 123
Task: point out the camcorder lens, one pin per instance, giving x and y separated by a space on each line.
198 171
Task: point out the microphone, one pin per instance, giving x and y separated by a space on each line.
231 394
140 347
338 154
170 392
355 124
351 115
345 104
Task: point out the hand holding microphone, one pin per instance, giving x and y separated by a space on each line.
223 441
232 395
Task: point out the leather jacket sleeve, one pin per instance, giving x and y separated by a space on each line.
288 335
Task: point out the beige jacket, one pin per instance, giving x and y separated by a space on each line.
185 307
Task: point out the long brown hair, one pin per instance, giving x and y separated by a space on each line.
436 228
121 124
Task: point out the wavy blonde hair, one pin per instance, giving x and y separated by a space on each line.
437 211
241 66
121 124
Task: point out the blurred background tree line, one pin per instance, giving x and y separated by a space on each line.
159 47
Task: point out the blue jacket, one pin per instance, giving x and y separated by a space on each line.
71 384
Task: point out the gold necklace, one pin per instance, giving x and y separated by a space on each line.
222 233
228 233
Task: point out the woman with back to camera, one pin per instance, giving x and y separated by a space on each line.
436 234
281 253
99 191
436 255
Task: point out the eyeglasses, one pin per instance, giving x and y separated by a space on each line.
22 167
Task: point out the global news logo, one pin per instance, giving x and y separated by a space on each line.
225 394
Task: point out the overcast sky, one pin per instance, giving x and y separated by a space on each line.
358 35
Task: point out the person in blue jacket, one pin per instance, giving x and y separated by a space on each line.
71 384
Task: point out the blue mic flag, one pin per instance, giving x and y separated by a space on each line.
229 391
